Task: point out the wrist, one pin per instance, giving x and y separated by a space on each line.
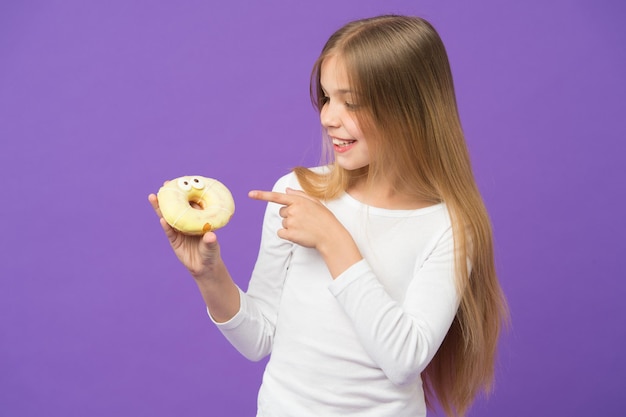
340 253
209 273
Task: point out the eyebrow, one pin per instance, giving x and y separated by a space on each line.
340 91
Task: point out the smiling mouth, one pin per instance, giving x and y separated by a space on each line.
342 143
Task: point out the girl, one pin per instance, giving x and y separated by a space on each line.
374 289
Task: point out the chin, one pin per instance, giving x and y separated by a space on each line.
350 165
353 167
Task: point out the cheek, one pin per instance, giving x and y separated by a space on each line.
355 131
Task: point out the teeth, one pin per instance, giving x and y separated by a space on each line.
340 142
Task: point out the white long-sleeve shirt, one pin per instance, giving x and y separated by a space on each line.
356 345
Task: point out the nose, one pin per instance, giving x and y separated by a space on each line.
329 116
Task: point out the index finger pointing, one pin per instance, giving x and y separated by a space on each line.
270 196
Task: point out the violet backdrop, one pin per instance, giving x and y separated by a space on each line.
100 102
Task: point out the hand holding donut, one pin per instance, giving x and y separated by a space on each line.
199 254
190 208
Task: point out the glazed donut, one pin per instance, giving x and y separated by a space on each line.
195 205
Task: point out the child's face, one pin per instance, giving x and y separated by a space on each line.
338 116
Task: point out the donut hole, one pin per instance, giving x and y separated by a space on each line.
198 205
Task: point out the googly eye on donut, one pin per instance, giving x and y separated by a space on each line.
195 205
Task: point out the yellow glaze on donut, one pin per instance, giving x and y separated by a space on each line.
195 205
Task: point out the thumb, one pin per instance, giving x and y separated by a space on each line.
209 238
209 247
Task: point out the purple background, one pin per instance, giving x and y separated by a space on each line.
100 102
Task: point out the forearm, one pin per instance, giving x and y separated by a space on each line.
220 293
401 338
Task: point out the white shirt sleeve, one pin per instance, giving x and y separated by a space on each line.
402 338
251 330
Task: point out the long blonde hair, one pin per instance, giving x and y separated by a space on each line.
399 69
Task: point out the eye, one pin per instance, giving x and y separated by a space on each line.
197 183
184 184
